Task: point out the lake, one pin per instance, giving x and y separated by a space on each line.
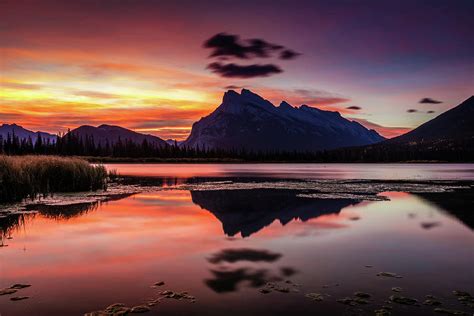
252 239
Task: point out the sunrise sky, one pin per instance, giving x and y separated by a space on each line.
142 64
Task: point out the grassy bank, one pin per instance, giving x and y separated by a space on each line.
30 176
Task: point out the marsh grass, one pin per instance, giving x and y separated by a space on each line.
32 176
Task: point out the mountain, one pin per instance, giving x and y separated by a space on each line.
23 133
248 121
454 125
447 137
112 134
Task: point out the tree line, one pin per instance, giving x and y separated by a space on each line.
74 145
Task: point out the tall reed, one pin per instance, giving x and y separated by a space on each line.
29 176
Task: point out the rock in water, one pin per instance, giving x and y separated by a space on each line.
140 309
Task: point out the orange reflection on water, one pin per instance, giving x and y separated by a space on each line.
113 253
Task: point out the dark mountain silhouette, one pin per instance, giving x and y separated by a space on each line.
454 125
247 121
248 211
447 137
103 133
23 133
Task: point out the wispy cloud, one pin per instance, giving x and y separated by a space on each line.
243 71
20 85
430 101
95 94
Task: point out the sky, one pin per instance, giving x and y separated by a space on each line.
158 66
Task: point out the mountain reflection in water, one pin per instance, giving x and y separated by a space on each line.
248 211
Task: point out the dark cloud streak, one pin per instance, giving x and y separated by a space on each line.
243 71
289 54
229 45
232 87
430 101
226 46
354 107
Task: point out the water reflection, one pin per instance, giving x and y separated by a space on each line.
113 252
228 275
225 281
459 204
12 222
244 254
248 211
302 170
8 225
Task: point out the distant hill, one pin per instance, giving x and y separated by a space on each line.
23 133
103 133
247 121
447 137
454 125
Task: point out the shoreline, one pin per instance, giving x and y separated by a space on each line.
119 160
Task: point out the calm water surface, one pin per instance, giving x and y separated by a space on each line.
305 170
223 246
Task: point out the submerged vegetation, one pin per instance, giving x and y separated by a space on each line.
30 176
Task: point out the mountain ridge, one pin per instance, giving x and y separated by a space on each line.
23 133
248 121
113 133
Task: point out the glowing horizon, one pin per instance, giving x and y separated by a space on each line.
142 65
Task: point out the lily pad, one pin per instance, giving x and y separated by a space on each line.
389 275
432 302
318 297
461 293
7 291
362 295
19 298
19 286
449 311
382 312
347 301
140 309
160 283
403 300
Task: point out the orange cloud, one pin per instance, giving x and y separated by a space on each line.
19 85
386 131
